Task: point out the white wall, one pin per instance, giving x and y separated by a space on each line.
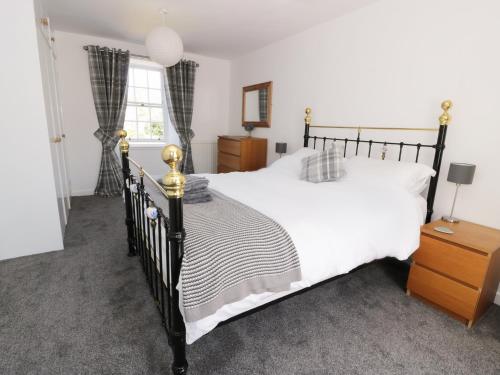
29 219
391 64
210 117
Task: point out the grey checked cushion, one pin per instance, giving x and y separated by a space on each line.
322 167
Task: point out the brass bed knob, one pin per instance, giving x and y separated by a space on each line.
174 180
123 142
445 118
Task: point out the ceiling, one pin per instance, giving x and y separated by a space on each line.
220 28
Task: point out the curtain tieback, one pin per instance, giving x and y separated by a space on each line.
108 141
186 136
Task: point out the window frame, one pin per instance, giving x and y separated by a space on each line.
150 66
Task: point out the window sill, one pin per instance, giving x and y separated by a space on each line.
146 145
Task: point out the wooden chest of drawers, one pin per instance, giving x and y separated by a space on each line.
241 154
458 273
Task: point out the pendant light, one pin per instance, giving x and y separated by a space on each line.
164 45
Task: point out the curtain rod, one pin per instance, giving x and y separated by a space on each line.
86 48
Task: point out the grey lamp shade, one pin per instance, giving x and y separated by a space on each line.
461 173
280 148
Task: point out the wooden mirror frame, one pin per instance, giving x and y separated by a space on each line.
258 124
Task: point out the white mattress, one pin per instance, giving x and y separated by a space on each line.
335 226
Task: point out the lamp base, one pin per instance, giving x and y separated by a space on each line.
450 219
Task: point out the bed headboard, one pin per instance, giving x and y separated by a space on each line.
438 147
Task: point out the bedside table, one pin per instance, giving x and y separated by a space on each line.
458 273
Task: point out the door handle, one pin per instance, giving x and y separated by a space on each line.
56 139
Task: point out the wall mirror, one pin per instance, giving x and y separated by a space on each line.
257 105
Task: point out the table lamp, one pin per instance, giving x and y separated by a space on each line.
459 173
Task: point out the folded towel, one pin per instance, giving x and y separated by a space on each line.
200 197
195 190
195 183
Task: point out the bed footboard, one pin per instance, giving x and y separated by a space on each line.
158 240
129 222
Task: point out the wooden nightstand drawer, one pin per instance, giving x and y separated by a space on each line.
229 160
229 146
449 294
225 169
454 261
459 272
240 153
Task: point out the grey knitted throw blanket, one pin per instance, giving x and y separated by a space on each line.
231 251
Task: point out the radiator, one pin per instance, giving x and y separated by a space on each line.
204 157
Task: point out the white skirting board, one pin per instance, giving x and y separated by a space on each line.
82 193
497 298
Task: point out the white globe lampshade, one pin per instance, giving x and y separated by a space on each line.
164 46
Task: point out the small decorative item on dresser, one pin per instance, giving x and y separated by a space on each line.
281 148
249 128
459 173
240 153
457 273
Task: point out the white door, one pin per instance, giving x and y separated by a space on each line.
54 118
66 187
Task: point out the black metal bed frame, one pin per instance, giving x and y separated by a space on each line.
438 147
158 239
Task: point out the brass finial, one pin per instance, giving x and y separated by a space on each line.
308 117
445 118
174 180
123 142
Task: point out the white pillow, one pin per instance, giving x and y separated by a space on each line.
292 164
413 177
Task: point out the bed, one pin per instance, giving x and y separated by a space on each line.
334 226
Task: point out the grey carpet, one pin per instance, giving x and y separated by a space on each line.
87 310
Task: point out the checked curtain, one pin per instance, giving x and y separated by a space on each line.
180 92
263 105
108 69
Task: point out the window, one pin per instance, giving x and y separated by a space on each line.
146 114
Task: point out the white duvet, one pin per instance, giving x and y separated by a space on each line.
335 226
